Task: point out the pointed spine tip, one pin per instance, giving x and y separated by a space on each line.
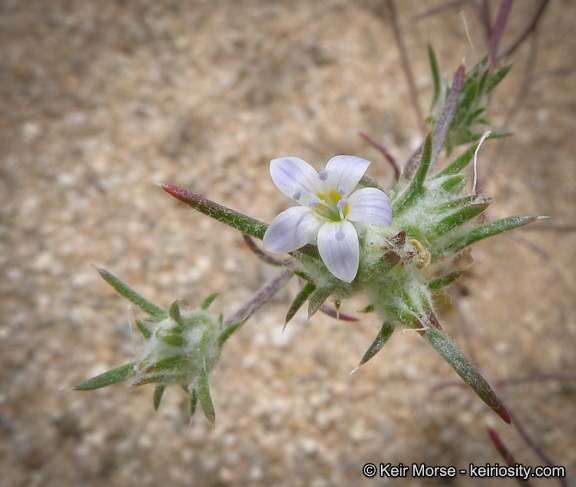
503 413
171 189
100 270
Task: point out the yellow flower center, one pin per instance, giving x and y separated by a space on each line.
332 206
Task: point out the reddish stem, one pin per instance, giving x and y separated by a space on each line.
498 30
389 157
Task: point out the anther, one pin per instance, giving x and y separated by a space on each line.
323 175
297 194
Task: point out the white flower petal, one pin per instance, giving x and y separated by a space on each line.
345 172
294 176
339 248
291 229
369 205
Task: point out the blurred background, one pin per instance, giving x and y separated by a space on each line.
100 99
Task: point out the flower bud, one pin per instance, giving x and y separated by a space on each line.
183 346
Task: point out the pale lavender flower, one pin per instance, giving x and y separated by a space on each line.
328 210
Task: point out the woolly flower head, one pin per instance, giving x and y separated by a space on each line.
329 209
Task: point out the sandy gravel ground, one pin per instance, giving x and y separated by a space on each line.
101 98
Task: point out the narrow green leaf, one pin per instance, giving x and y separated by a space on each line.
435 75
166 371
158 393
299 300
132 295
457 218
459 164
146 333
462 366
169 364
440 283
175 314
114 376
498 76
204 397
193 402
383 335
319 296
227 333
467 97
173 340
173 330
208 301
239 221
301 274
403 316
474 115
203 345
453 205
450 142
399 189
482 82
416 187
455 184
155 319
421 172
490 230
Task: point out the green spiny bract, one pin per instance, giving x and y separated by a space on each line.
433 221
182 350
469 120
182 347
